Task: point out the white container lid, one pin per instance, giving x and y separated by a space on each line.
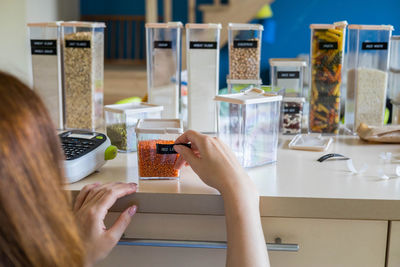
45 24
84 24
203 26
371 27
287 62
244 26
159 126
133 108
251 96
294 99
177 24
339 24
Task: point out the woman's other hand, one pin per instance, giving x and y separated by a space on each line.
91 207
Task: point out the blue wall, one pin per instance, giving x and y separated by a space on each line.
291 17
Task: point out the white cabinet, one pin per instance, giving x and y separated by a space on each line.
322 242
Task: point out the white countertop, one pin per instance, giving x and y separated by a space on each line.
296 186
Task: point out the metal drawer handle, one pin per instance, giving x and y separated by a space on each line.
277 246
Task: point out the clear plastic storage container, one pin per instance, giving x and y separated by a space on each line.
394 69
236 86
244 51
164 66
287 74
395 112
121 120
292 114
155 141
367 74
248 123
202 48
45 41
327 51
83 50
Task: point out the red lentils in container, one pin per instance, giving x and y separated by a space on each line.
152 164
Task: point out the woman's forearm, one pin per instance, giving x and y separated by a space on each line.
246 243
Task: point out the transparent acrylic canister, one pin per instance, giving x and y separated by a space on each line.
202 55
394 69
327 52
121 120
163 52
287 74
248 123
292 115
83 65
367 74
155 140
45 40
244 51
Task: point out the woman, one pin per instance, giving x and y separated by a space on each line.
37 226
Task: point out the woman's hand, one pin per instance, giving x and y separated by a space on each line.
91 207
214 163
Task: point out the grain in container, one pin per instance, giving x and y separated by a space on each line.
45 41
155 140
202 48
83 53
248 123
164 66
394 69
244 51
292 115
327 51
121 120
367 74
287 74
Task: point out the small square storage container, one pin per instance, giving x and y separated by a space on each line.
327 53
292 114
367 74
394 69
45 40
121 120
83 50
202 56
287 74
163 54
395 112
155 140
248 123
244 51
237 86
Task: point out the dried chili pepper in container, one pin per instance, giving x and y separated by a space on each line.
155 153
327 51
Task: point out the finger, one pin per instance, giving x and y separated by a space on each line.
192 137
179 163
120 225
83 194
187 154
110 195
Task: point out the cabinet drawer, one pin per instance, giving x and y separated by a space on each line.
322 242
394 245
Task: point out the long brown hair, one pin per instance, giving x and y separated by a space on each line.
37 227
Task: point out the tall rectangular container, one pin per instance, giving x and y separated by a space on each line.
45 40
248 123
202 48
164 66
367 74
327 53
83 50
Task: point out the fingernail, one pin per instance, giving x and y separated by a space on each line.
132 210
177 148
97 183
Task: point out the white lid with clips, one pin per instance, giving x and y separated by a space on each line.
251 96
159 126
287 62
133 108
371 27
45 24
167 25
203 26
83 24
245 26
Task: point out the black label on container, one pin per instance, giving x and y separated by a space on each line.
328 45
245 44
374 46
163 44
169 148
44 47
77 43
291 110
288 74
203 45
